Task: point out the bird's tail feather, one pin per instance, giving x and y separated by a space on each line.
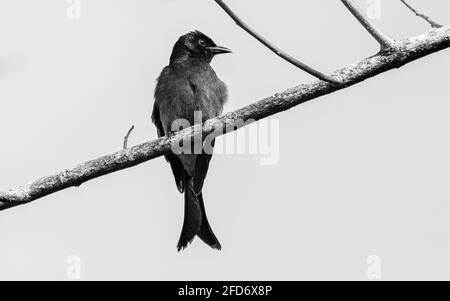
206 234
192 219
195 222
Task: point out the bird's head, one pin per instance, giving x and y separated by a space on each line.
196 45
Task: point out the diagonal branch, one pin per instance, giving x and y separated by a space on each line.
386 43
274 48
423 16
405 52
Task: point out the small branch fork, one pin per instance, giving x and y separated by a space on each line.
421 15
385 42
125 139
275 49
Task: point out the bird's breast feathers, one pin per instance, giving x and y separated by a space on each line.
183 90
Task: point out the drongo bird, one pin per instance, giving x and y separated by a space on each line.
189 86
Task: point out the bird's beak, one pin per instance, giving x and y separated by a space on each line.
219 50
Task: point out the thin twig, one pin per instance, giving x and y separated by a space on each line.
423 16
407 51
274 48
125 140
385 42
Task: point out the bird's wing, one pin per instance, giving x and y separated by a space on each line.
177 168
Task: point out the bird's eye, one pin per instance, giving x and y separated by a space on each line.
202 42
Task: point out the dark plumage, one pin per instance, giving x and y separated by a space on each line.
189 84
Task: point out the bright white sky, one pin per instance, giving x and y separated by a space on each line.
360 172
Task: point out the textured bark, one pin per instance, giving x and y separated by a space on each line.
402 52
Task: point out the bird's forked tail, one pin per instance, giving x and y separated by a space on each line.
196 222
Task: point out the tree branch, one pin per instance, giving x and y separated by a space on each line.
385 42
423 16
274 48
406 51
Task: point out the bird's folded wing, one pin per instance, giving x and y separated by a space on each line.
177 168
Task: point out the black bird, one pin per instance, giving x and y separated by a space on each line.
188 85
